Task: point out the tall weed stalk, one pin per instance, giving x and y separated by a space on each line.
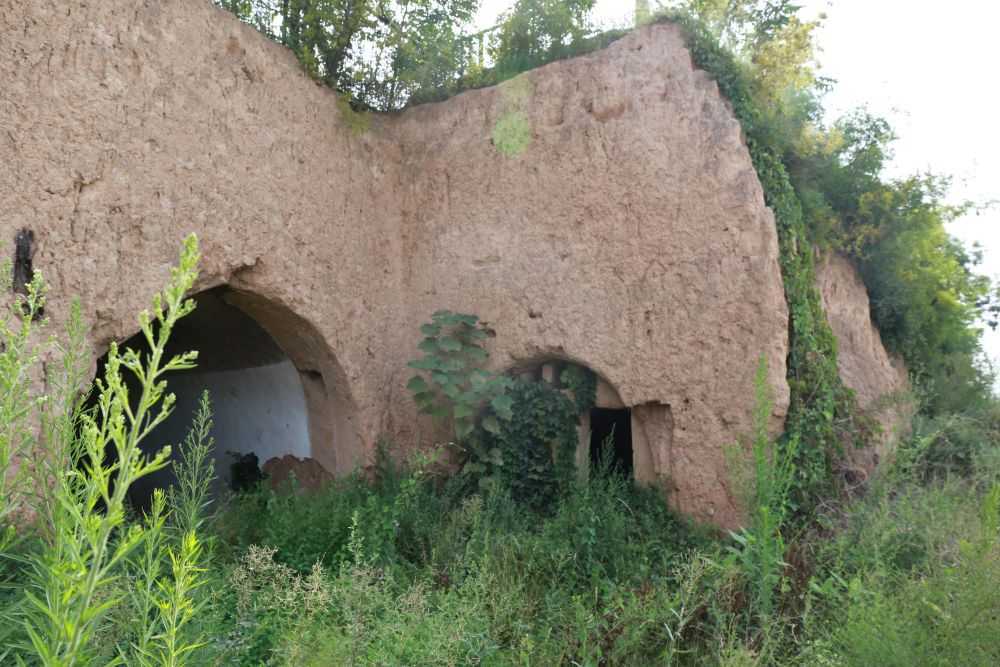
760 549
190 497
74 576
19 355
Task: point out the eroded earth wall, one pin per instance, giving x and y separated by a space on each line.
628 233
879 380
602 210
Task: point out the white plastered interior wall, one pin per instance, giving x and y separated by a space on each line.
258 400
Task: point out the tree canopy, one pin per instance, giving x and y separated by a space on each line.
379 52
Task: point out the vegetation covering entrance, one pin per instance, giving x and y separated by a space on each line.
515 561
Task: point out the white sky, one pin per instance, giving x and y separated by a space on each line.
930 69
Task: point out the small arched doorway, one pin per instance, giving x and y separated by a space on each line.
264 402
606 433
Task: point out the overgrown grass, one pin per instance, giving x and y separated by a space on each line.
410 566
424 575
407 571
911 579
413 567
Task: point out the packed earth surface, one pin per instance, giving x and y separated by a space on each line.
601 210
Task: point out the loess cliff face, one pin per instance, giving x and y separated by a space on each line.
627 232
602 210
879 380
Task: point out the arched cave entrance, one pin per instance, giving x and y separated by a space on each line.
268 398
607 427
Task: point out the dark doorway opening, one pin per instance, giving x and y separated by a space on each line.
611 436
258 402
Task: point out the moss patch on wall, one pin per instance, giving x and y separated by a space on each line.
512 132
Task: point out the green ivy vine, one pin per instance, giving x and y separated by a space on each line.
581 383
823 415
519 434
532 455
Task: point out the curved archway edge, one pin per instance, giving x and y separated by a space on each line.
334 440
651 423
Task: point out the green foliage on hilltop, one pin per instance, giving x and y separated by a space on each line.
530 34
534 32
387 54
378 52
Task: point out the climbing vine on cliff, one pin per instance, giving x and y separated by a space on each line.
823 415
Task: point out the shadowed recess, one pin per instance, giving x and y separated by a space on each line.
257 395
611 437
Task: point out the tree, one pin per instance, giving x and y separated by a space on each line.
380 52
926 297
539 31
642 13
415 46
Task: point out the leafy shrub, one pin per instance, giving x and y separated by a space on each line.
519 434
457 388
533 452
951 444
